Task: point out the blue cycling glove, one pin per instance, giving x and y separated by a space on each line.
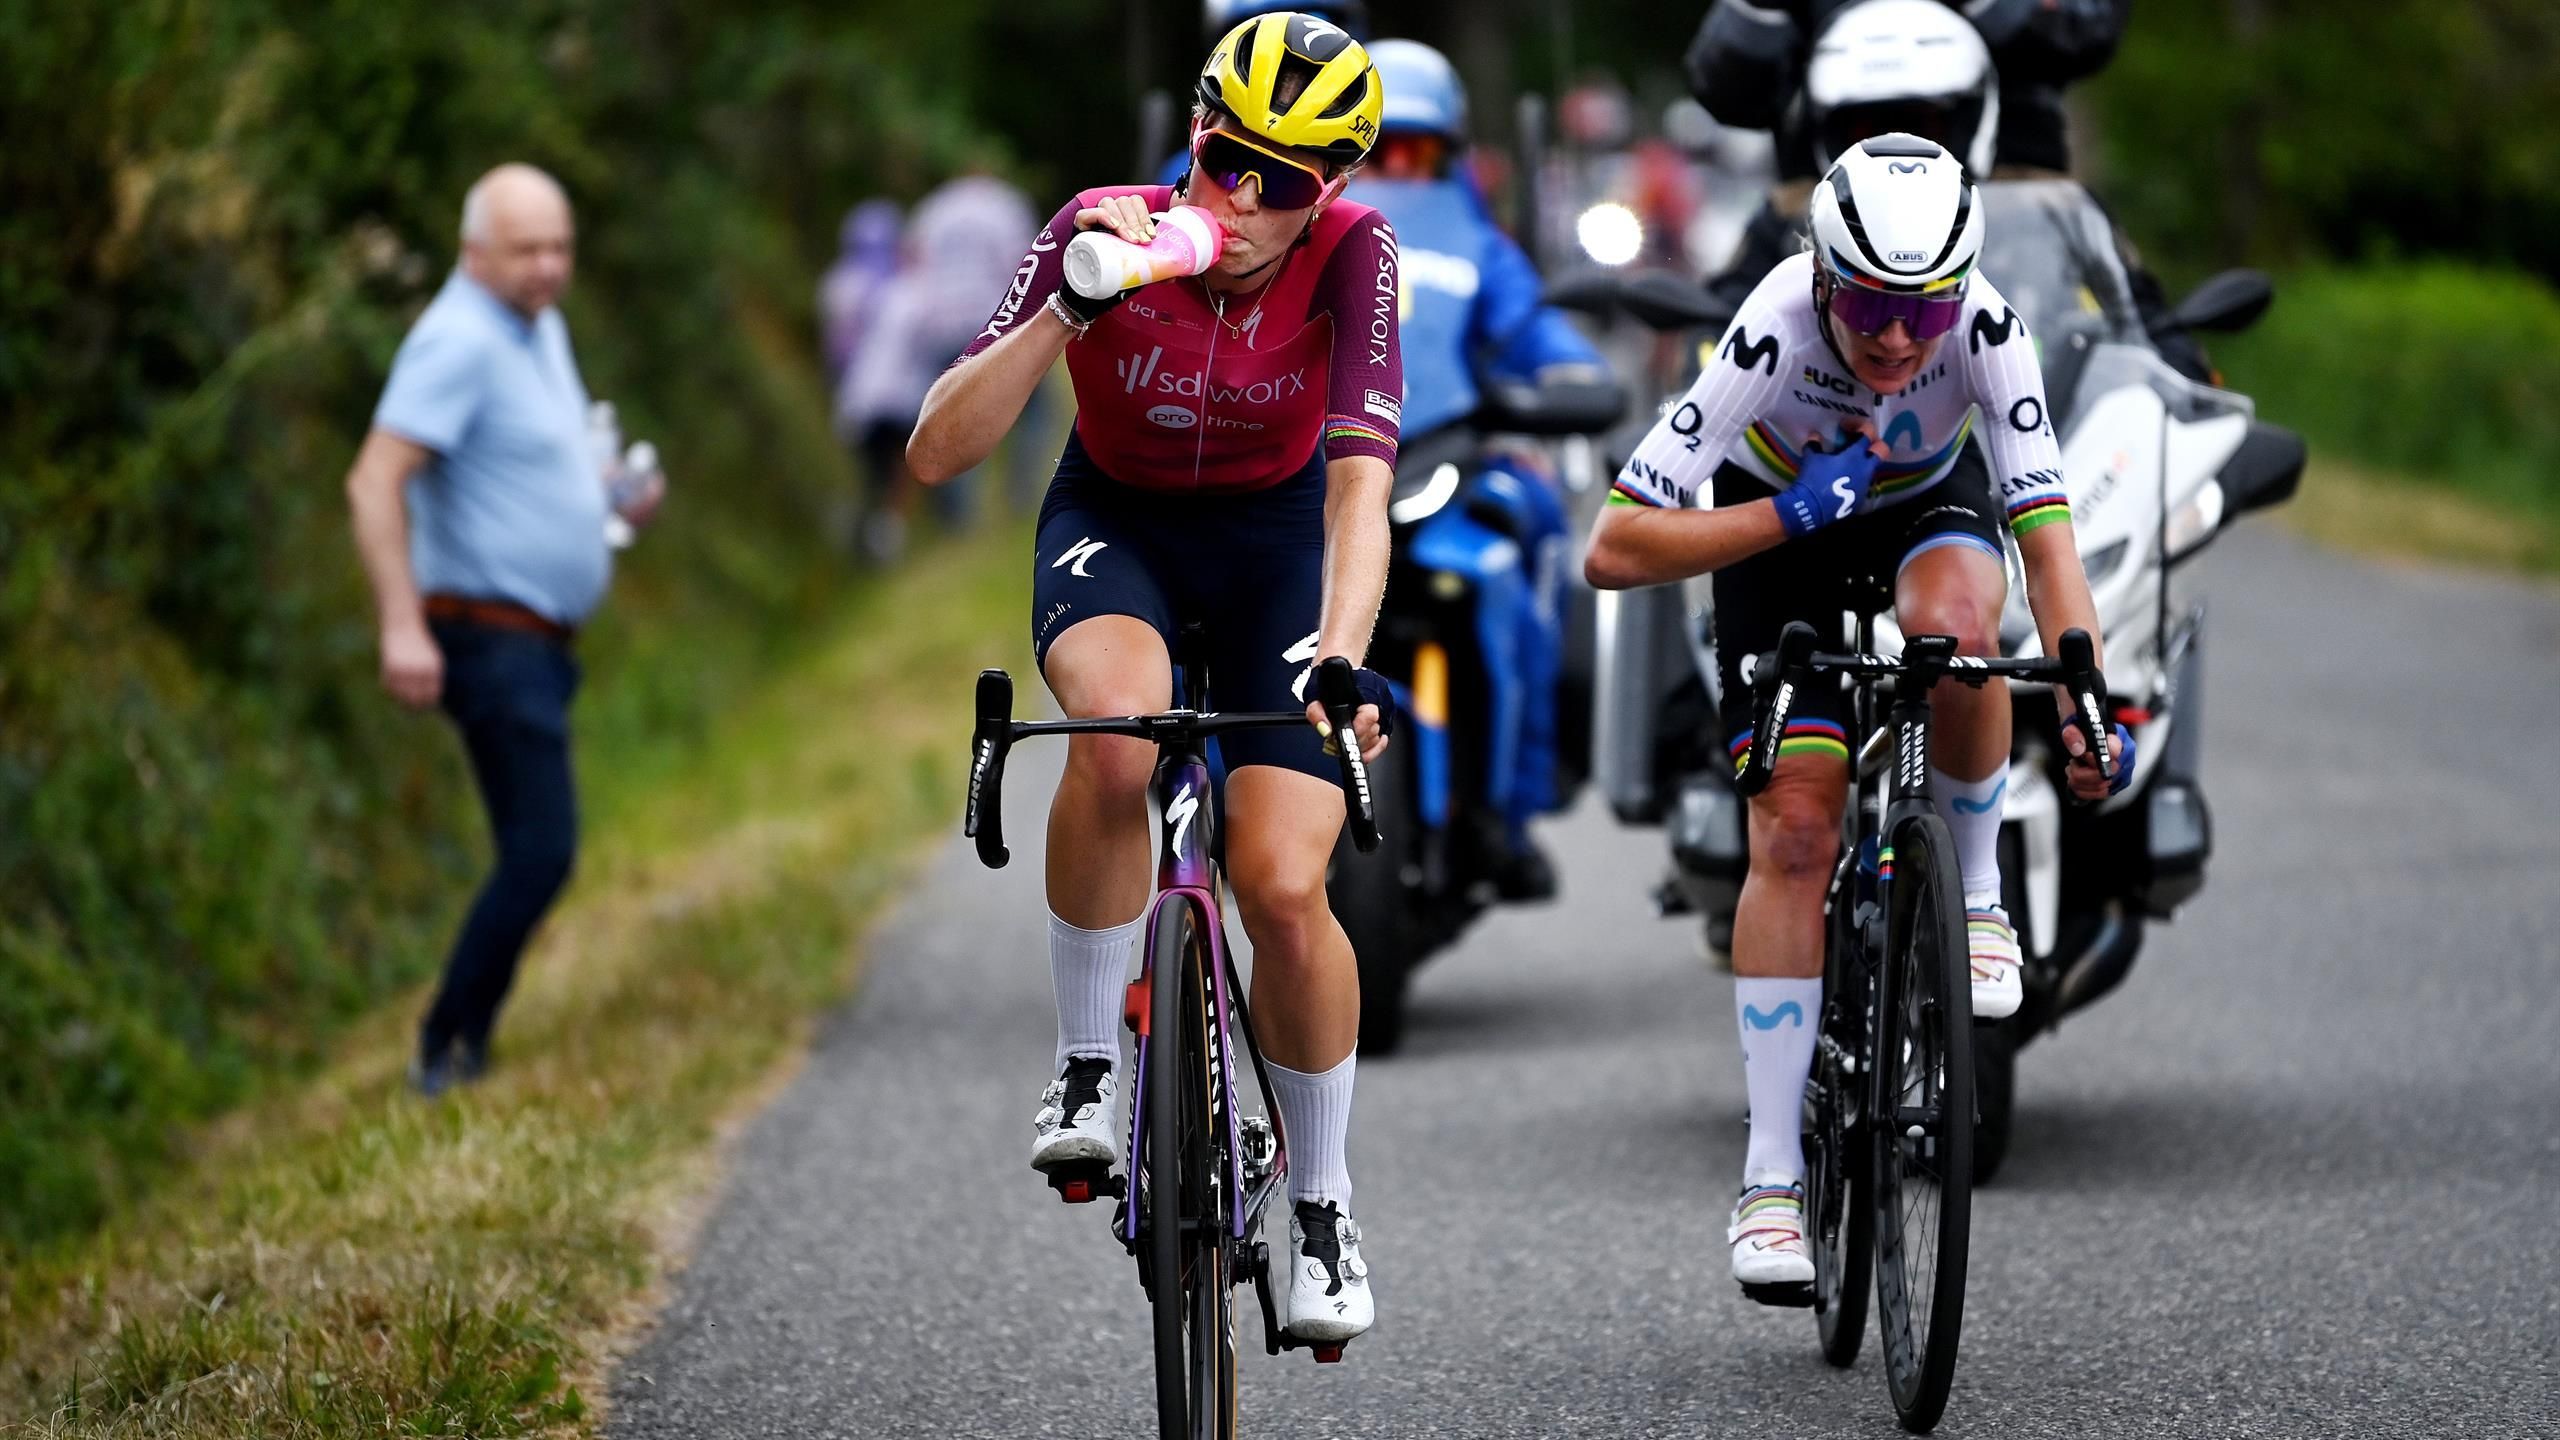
2120 750
1828 488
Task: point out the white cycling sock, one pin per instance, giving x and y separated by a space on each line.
1971 809
1090 969
1778 1020
1315 1115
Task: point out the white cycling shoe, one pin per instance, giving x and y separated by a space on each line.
1767 1235
1997 990
1328 1296
1076 1124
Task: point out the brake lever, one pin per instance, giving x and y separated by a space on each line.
987 747
2088 689
1339 692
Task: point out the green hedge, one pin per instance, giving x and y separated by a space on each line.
2439 371
218 841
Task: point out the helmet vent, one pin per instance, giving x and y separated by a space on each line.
1350 98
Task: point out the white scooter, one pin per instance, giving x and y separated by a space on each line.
2156 465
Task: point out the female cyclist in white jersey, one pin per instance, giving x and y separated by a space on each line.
1836 414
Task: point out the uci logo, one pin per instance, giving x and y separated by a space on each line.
1172 417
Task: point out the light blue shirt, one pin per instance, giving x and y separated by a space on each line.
512 507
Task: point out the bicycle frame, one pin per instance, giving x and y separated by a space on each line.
1186 874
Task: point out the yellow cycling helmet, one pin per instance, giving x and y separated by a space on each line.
1335 113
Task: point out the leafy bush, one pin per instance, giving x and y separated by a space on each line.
2441 371
217 840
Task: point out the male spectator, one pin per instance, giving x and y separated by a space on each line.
480 513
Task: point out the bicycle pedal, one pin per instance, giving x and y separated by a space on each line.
1084 1184
1326 1354
1798 1296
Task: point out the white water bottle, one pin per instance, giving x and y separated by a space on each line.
1188 241
638 469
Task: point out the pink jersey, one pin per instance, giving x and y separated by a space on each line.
1172 396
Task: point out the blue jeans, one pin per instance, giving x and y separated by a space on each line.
508 692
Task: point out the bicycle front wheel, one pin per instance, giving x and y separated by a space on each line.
1921 1116
1193 1270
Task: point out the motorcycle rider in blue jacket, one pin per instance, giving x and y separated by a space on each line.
1472 314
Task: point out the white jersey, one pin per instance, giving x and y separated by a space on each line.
1774 386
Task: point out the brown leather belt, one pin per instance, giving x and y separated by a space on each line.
498 615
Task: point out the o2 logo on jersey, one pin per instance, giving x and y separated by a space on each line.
1172 417
1688 420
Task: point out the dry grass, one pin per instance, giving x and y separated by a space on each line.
2396 517
354 1261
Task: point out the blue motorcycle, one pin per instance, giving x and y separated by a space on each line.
1474 632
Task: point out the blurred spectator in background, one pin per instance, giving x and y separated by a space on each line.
967 238
963 242
480 508
851 296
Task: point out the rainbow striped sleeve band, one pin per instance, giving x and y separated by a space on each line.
1344 436
2036 511
1803 737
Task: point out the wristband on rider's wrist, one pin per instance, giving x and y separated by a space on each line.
1076 324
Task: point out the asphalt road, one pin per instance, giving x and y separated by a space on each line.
2298 1177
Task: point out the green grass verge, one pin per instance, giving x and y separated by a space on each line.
2433 379
352 1261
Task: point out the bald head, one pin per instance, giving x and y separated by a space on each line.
517 239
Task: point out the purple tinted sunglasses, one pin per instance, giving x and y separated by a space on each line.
1869 312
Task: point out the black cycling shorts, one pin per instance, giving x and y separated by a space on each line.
1815 579
1248 568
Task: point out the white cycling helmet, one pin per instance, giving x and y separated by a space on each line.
1897 214
1915 66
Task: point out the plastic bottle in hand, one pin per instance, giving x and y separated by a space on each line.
638 469
1101 264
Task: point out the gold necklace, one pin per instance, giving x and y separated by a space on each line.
1218 301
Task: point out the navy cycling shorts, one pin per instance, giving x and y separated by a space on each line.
1814 579
1248 568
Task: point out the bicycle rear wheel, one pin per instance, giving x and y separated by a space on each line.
1192 1265
1922 1121
1839 1217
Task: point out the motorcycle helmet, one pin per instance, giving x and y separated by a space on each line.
1423 93
1914 66
1334 114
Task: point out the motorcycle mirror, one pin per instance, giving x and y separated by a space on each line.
1591 292
1668 302
2265 470
2227 303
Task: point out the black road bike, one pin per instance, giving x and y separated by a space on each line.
1890 1110
1205 1166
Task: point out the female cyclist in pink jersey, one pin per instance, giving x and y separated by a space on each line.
1230 467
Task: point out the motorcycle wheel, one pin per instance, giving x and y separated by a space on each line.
1370 898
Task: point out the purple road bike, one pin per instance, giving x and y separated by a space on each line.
1204 1166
